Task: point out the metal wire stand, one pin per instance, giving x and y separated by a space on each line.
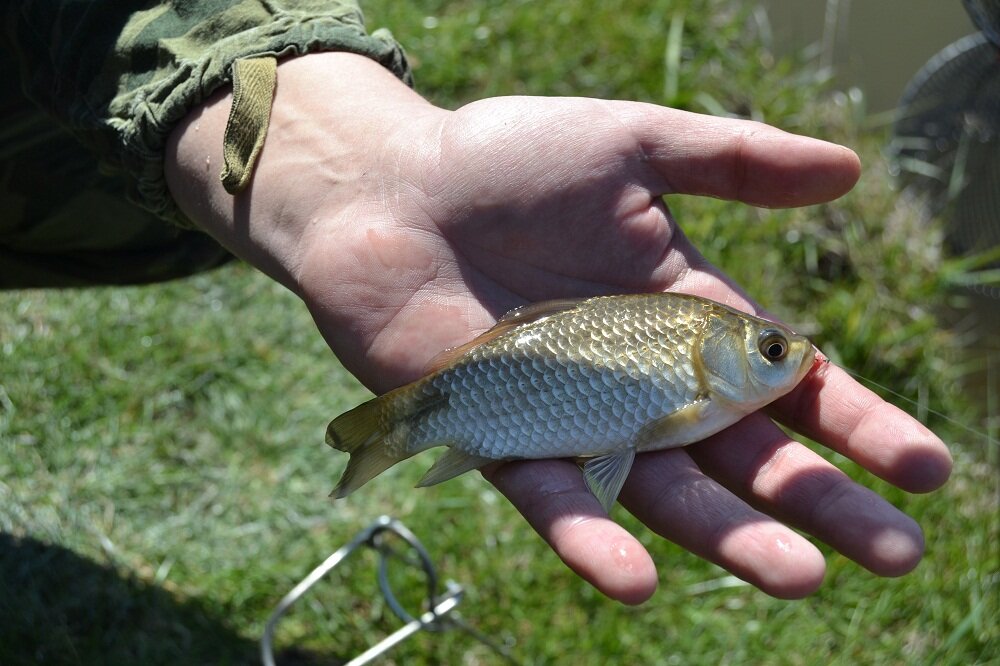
440 613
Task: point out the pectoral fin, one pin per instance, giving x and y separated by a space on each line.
450 465
677 429
605 475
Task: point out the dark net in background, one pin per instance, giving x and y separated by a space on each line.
946 144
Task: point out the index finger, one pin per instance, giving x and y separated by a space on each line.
832 408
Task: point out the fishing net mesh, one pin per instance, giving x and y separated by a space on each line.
946 143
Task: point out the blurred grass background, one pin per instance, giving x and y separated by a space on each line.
163 479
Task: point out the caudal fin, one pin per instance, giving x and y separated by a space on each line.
361 433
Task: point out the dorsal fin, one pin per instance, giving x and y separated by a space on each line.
535 311
514 318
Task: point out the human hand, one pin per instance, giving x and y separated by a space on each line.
408 229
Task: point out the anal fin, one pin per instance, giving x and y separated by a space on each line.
605 475
453 463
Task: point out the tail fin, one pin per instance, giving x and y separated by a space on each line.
361 433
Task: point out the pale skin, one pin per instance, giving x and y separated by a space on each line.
408 229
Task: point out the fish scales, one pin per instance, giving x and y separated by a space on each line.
595 395
598 378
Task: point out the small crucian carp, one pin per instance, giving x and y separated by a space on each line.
598 379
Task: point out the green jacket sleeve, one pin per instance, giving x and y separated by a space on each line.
119 75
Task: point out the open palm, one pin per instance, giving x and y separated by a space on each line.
514 200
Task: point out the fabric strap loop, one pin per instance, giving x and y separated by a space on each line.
254 81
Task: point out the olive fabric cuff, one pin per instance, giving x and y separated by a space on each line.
146 115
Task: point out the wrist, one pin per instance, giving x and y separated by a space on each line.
338 124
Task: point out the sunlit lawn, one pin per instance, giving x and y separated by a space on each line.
163 477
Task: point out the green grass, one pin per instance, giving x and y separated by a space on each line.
163 478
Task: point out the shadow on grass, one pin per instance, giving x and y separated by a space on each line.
57 607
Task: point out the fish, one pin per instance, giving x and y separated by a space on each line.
597 379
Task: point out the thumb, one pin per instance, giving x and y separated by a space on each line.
739 160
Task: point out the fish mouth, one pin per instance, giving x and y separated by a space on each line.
811 365
820 356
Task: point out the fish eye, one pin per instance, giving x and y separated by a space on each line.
773 345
